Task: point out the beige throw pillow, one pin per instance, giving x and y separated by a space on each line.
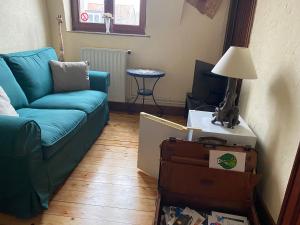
5 107
70 76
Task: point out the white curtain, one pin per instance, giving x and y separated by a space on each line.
207 7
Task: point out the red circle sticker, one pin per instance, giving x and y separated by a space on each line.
84 16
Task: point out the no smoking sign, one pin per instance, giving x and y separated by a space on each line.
84 16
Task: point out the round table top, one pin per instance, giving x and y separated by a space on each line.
145 73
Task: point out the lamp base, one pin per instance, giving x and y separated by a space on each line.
228 111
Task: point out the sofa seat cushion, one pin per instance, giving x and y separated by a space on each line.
57 126
87 101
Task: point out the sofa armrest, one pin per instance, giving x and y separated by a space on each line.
99 81
18 136
23 175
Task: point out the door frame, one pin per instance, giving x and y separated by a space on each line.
290 209
239 27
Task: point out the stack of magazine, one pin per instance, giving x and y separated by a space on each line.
178 216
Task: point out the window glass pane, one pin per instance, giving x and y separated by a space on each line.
127 12
91 11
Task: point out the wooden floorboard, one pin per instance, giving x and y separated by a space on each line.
106 188
85 186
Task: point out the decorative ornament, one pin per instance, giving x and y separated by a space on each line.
61 41
108 17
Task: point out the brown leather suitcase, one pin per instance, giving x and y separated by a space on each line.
186 180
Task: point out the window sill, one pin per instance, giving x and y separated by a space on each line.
110 34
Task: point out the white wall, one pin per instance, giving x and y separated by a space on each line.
24 25
271 104
173 45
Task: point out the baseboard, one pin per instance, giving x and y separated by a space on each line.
136 108
263 212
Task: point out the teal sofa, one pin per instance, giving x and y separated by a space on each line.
40 148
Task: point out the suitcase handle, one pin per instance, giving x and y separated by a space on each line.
212 140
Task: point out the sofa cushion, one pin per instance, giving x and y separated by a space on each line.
57 126
87 101
32 71
70 76
11 86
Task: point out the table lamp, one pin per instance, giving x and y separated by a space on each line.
235 64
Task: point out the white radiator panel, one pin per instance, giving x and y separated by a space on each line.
113 61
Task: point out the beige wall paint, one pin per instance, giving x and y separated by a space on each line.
173 45
271 104
24 25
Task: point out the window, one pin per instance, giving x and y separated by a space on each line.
129 15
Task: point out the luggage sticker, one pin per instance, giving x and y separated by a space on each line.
227 160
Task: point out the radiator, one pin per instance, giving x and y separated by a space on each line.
113 61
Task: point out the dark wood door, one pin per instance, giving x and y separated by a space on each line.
239 26
290 211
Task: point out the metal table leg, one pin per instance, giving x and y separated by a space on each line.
160 109
137 96
138 87
143 91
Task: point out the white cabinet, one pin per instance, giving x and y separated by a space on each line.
240 135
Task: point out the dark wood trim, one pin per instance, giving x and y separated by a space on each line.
232 14
239 27
290 209
136 108
263 213
116 28
240 22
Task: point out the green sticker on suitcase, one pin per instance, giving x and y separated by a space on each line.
227 161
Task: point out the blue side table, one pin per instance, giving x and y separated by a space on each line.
146 74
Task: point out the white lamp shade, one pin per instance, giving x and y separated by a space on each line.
236 63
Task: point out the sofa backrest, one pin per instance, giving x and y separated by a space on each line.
32 71
11 87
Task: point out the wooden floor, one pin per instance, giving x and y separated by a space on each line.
106 188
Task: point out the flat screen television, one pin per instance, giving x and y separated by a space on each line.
208 88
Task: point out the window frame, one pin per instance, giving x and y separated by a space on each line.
115 28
